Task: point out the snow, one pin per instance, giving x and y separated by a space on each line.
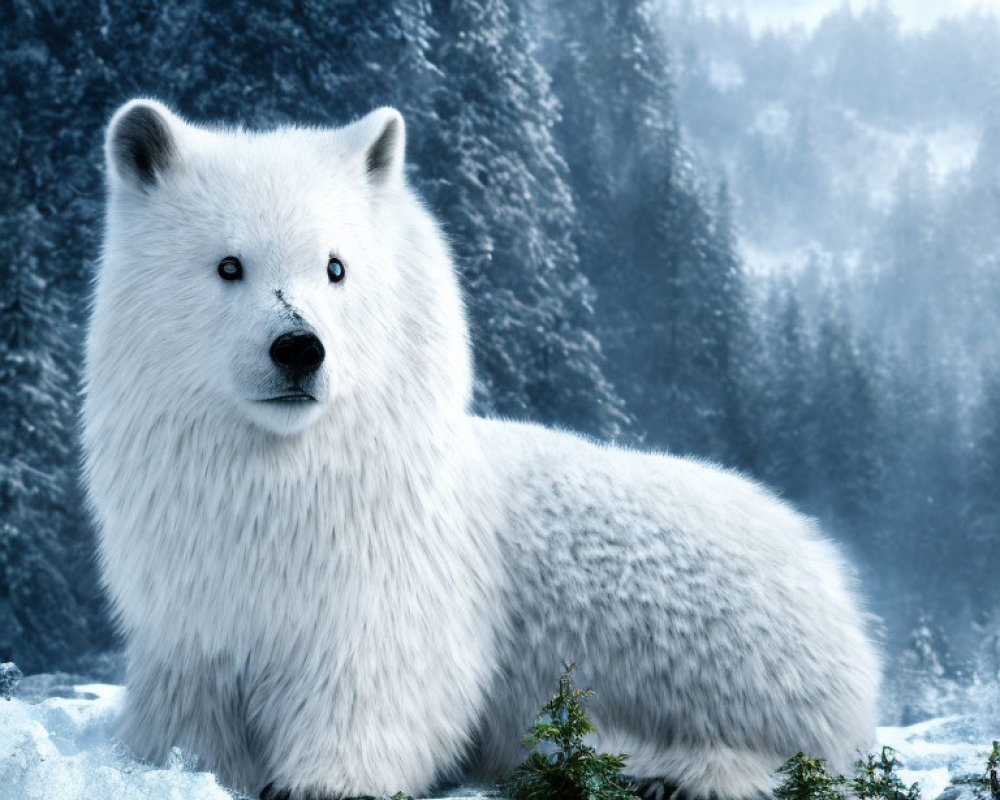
55 747
62 748
57 743
935 751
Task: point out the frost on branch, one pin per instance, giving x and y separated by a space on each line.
10 677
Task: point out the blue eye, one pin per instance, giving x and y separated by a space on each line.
230 269
335 270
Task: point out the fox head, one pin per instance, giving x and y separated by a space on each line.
271 276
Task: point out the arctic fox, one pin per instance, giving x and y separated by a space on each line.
334 580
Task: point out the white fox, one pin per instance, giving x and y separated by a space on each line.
334 580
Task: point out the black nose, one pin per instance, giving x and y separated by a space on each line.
299 351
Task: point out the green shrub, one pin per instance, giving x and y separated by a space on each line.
807 779
560 766
876 779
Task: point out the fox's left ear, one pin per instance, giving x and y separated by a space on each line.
381 137
142 143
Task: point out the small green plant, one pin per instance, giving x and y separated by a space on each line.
876 779
992 766
808 779
560 766
987 785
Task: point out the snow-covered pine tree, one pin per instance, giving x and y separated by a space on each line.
849 463
668 297
479 114
491 166
50 605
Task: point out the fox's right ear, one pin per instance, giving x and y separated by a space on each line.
141 143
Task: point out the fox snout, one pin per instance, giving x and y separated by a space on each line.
299 353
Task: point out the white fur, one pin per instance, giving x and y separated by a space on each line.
371 592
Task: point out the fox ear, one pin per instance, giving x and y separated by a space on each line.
381 136
141 143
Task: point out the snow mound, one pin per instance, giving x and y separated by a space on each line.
62 748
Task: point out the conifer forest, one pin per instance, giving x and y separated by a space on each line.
774 249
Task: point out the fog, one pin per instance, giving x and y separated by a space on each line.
859 143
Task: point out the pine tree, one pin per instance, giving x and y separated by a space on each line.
479 119
981 512
787 417
510 214
50 603
668 300
847 445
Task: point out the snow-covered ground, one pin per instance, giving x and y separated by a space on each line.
934 751
56 743
61 748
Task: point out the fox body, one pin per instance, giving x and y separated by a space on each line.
333 580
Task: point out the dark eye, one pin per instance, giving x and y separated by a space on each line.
230 269
335 270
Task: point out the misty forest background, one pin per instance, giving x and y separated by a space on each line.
778 251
